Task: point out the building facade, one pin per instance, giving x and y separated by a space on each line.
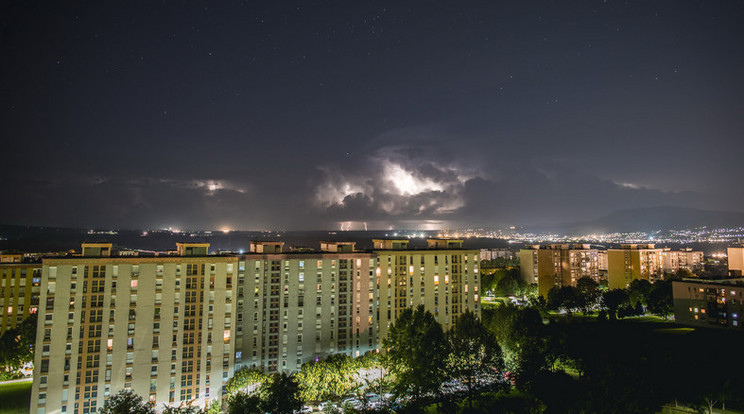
20 283
633 261
686 258
444 278
491 254
735 260
173 328
297 307
159 326
558 265
709 303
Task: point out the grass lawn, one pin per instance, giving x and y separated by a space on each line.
15 397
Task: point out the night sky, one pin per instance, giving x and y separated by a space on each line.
321 115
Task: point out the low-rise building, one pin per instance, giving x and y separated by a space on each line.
709 303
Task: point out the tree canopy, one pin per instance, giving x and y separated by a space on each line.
416 353
126 402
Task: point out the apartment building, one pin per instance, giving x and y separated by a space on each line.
19 290
602 260
491 254
175 327
294 307
685 258
709 303
161 326
633 261
444 278
735 260
558 265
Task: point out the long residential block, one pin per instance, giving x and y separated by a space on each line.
173 328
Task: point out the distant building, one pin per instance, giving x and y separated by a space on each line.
490 254
735 260
686 258
602 260
709 303
633 261
19 292
11 258
558 265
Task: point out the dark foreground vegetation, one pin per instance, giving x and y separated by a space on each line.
516 360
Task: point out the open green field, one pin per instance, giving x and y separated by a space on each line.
15 397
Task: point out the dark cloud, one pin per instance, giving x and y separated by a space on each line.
282 115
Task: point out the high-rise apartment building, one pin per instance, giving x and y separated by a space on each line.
19 291
161 326
685 258
558 265
633 261
444 278
296 307
175 327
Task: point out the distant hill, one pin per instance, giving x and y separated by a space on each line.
654 218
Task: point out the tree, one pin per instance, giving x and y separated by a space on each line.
126 402
336 376
247 380
613 299
475 352
520 333
507 286
416 353
638 291
242 403
682 273
588 292
566 297
184 408
660 300
553 301
281 395
16 347
214 407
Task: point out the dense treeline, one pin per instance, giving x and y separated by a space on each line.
638 299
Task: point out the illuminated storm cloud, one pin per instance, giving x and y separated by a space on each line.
392 188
